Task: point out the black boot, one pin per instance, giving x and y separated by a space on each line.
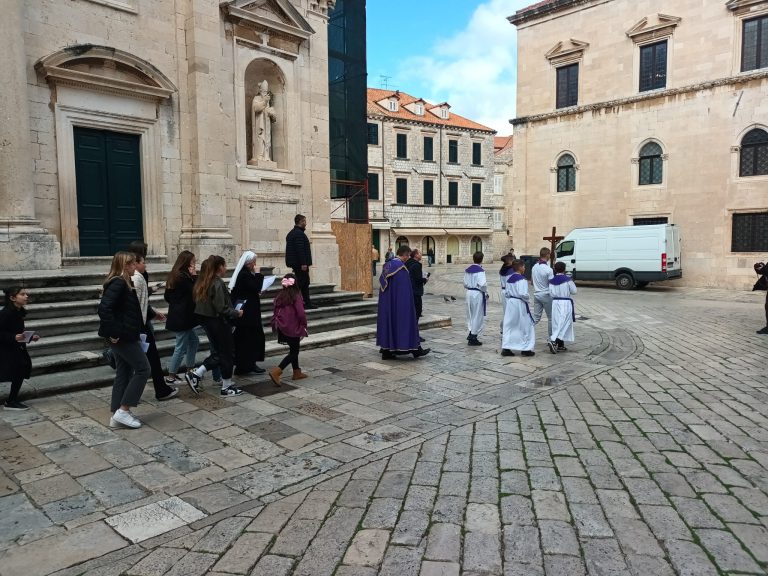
421 352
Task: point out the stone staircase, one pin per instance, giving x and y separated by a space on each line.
62 309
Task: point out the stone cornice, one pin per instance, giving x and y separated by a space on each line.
528 14
729 81
642 32
103 84
390 120
735 5
243 16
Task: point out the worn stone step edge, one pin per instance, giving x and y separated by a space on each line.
102 376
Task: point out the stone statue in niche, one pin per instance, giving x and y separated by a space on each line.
262 117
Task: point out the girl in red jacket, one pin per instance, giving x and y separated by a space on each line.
290 322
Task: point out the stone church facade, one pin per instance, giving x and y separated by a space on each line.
128 119
643 112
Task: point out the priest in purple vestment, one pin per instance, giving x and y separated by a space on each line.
397 328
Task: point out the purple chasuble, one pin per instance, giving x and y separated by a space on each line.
397 328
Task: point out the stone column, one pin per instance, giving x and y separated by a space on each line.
24 245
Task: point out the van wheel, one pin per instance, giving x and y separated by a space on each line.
641 285
625 281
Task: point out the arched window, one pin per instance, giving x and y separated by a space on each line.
401 241
754 153
566 173
651 164
476 244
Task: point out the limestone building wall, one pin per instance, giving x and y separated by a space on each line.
182 75
698 119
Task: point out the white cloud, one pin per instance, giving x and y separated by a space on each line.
474 70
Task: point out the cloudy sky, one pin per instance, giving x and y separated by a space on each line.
459 51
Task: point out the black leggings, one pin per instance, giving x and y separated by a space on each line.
15 387
292 357
222 345
766 308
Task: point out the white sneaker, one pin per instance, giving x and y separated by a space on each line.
124 418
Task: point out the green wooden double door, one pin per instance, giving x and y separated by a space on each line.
108 173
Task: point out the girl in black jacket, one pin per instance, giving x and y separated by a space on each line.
121 323
16 364
181 313
245 286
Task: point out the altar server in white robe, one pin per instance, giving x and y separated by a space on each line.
518 331
476 285
561 289
504 273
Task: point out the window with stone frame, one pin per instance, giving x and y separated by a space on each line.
402 146
429 146
453 193
429 192
749 232
373 134
651 169
453 151
753 157
373 186
653 66
477 154
477 196
567 91
401 189
754 44
566 173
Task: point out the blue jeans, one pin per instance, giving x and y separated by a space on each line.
187 343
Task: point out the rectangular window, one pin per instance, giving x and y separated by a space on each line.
453 151
429 144
402 145
402 190
754 44
373 186
750 232
453 193
429 192
653 66
477 149
476 194
568 86
650 220
373 134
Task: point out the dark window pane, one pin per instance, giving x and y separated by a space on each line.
649 220
402 146
653 66
453 193
476 153
750 232
651 169
373 133
566 173
373 186
754 153
754 44
428 146
429 192
476 194
453 151
402 191
567 86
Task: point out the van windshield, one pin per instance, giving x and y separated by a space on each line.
565 248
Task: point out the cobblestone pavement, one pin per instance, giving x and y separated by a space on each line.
642 450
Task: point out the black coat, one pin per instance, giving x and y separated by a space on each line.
298 253
248 287
417 277
119 312
15 364
181 305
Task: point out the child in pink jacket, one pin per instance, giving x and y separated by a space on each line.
290 322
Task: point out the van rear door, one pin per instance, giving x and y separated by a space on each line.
673 248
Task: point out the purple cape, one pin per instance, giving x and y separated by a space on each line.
515 278
397 328
474 269
559 279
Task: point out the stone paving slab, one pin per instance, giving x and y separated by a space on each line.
642 450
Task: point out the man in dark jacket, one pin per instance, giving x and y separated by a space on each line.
298 256
418 279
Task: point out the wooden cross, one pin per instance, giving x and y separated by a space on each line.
553 240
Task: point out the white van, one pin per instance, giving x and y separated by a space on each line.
632 256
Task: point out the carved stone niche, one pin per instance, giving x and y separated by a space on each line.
256 72
653 27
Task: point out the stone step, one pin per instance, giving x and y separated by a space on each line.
49 352
84 318
96 375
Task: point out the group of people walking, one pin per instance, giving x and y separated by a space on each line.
553 292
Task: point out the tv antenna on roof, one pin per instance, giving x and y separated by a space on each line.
384 81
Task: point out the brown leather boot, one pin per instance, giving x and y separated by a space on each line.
274 375
299 375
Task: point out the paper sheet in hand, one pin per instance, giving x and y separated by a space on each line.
268 281
239 304
28 334
144 343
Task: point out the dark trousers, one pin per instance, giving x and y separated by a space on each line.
13 396
222 354
158 376
419 306
302 279
766 308
292 357
131 372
